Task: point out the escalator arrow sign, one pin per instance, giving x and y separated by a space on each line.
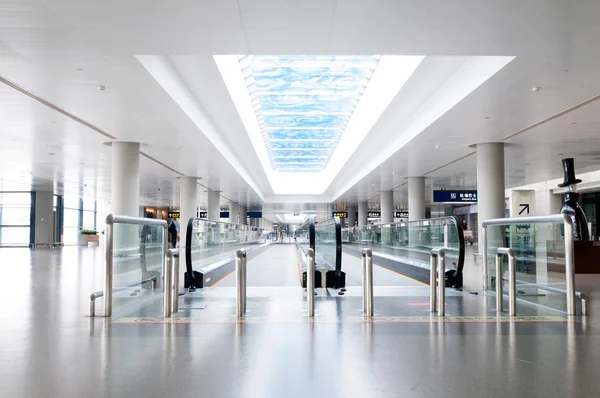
525 206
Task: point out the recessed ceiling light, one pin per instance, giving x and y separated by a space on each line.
51 121
79 70
486 117
51 154
573 122
560 154
536 89
393 172
101 88
438 146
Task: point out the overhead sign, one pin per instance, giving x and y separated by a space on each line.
340 214
401 214
174 214
373 214
255 214
522 202
455 196
202 214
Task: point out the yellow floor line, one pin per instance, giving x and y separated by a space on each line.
387 269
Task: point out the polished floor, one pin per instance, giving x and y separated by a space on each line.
50 348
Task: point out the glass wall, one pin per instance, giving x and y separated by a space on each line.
71 219
15 218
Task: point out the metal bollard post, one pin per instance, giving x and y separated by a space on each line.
437 274
442 282
432 279
245 279
239 279
512 280
368 282
167 285
364 281
175 290
310 283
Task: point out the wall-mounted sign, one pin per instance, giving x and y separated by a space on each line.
174 214
255 214
202 214
455 196
373 214
401 214
340 214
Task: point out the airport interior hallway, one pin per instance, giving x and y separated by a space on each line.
49 347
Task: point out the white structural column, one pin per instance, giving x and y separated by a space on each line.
44 218
125 181
351 216
387 207
233 212
243 214
362 214
416 198
490 200
214 208
188 199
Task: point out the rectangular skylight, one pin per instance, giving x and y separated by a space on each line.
308 98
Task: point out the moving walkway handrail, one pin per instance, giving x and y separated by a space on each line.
569 249
112 219
188 240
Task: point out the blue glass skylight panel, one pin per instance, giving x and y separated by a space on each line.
305 102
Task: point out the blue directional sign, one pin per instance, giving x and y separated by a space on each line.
455 196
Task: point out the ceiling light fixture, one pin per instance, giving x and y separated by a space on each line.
101 88
536 89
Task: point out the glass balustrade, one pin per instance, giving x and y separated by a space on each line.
540 253
411 242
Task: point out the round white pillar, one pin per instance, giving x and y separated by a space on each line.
362 214
416 198
351 216
125 179
188 205
387 207
233 212
490 182
214 207
243 214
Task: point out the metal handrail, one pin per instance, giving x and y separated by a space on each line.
367 281
112 219
100 293
569 249
437 270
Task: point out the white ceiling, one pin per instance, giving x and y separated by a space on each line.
61 50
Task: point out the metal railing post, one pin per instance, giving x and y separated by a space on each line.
484 249
368 282
108 269
310 283
245 279
512 280
175 290
569 264
441 282
364 281
239 283
432 278
167 285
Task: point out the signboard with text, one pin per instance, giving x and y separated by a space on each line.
373 214
401 214
174 214
454 196
522 236
340 214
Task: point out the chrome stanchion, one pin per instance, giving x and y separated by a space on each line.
167 284
512 280
368 282
245 279
569 264
437 271
175 291
239 282
364 281
108 269
310 283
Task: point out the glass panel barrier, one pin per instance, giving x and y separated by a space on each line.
210 242
135 265
327 245
541 267
411 242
